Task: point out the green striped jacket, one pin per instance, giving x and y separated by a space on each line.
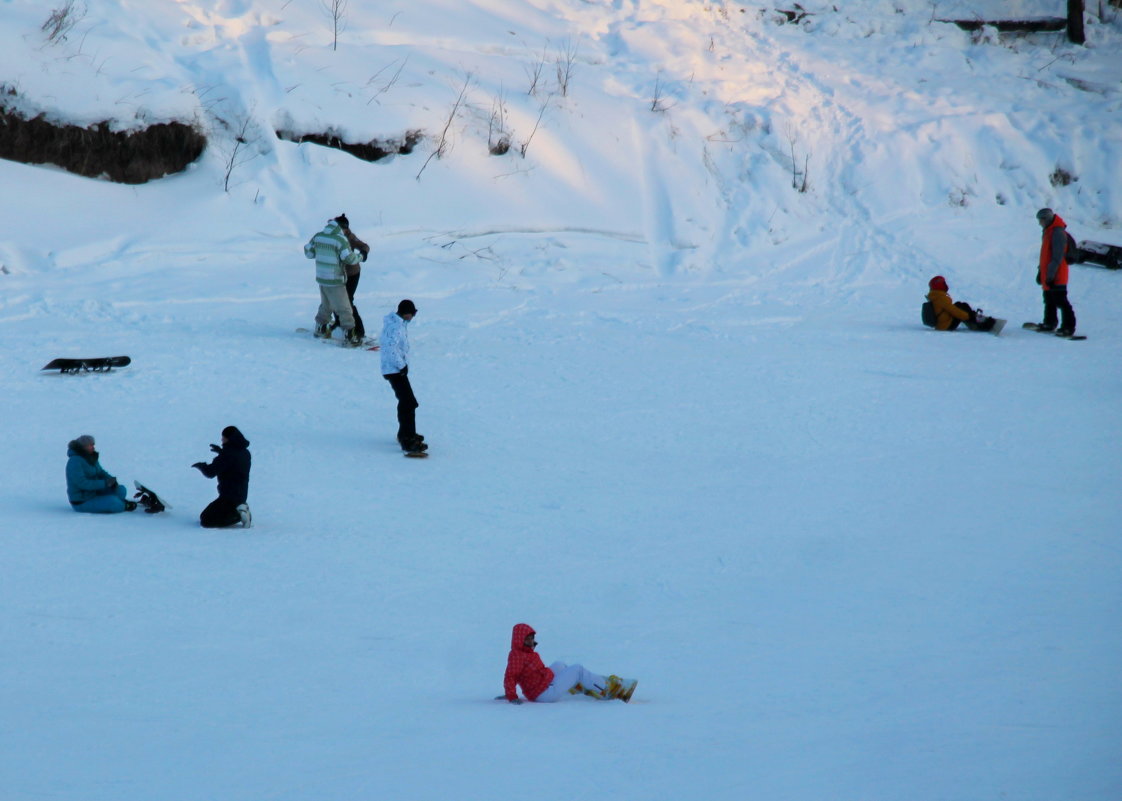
332 253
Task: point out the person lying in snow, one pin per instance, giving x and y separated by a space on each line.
548 684
89 485
947 314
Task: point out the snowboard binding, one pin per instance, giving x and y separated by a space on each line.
149 501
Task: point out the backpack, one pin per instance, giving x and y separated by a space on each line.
927 314
1073 255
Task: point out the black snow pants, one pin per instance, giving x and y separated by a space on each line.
220 514
406 405
1056 299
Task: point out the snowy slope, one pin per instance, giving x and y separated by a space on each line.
683 417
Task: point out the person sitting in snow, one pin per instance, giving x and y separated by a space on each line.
231 467
947 315
524 668
88 485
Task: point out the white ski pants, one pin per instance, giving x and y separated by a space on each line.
565 678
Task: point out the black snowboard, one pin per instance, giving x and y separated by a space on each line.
100 365
1036 327
151 502
1109 256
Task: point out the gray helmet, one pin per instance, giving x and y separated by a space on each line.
1045 215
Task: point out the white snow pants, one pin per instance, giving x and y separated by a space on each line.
565 678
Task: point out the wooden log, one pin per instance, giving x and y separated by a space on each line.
1010 25
1075 22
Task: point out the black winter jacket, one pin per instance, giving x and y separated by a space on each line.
231 467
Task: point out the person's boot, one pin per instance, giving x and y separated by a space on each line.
244 514
627 689
619 688
322 332
413 445
130 506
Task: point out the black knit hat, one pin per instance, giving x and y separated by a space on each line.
406 307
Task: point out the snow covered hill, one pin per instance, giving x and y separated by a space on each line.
684 419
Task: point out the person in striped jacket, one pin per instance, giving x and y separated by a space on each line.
333 253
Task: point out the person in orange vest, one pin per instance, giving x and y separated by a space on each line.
1052 274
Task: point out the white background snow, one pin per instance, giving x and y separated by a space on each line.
683 418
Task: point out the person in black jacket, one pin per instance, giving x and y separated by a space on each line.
231 468
354 272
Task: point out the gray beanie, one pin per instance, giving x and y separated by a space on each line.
1045 215
85 440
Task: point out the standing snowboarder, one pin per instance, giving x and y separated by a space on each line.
395 369
332 253
525 669
231 467
1052 274
89 486
354 272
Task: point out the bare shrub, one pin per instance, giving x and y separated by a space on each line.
442 142
535 70
799 181
565 63
498 137
1061 177
337 12
240 152
62 20
537 124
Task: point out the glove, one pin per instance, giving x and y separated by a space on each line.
1038 278
111 483
215 448
504 698
199 465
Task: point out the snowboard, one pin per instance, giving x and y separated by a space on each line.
1109 256
369 343
1036 327
100 365
151 502
416 454
998 325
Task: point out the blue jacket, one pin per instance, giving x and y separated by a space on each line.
85 477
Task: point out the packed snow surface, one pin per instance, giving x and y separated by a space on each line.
683 417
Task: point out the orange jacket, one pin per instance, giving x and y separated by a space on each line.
1046 241
945 310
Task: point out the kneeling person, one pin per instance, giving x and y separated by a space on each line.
231 468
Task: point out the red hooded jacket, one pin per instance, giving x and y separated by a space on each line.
524 667
1046 255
